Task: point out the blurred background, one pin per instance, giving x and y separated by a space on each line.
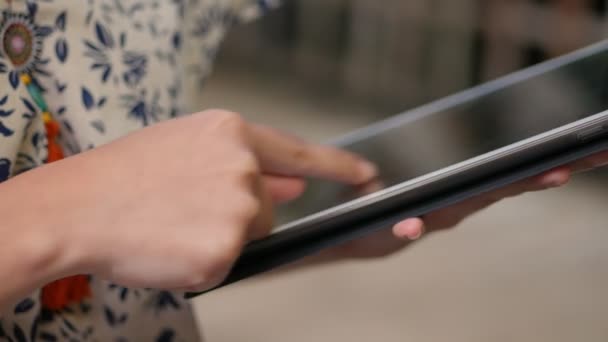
534 268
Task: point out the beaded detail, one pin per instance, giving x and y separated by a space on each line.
52 127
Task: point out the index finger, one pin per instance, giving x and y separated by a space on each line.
283 155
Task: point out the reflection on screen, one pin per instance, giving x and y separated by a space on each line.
537 100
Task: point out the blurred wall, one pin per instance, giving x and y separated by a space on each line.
394 54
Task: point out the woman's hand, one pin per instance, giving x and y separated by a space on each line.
388 242
170 206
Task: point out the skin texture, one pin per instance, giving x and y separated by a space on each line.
172 205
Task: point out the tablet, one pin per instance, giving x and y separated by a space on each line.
447 151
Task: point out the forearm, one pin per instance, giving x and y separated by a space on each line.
32 248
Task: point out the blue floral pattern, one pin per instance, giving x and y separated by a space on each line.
107 68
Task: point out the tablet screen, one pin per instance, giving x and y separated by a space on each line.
468 124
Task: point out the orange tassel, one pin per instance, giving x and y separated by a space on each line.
54 150
61 293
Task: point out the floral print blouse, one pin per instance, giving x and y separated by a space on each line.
106 68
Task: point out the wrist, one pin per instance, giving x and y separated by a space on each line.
38 249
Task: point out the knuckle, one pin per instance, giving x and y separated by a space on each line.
229 121
244 178
242 190
241 165
212 263
248 206
226 249
248 165
196 278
